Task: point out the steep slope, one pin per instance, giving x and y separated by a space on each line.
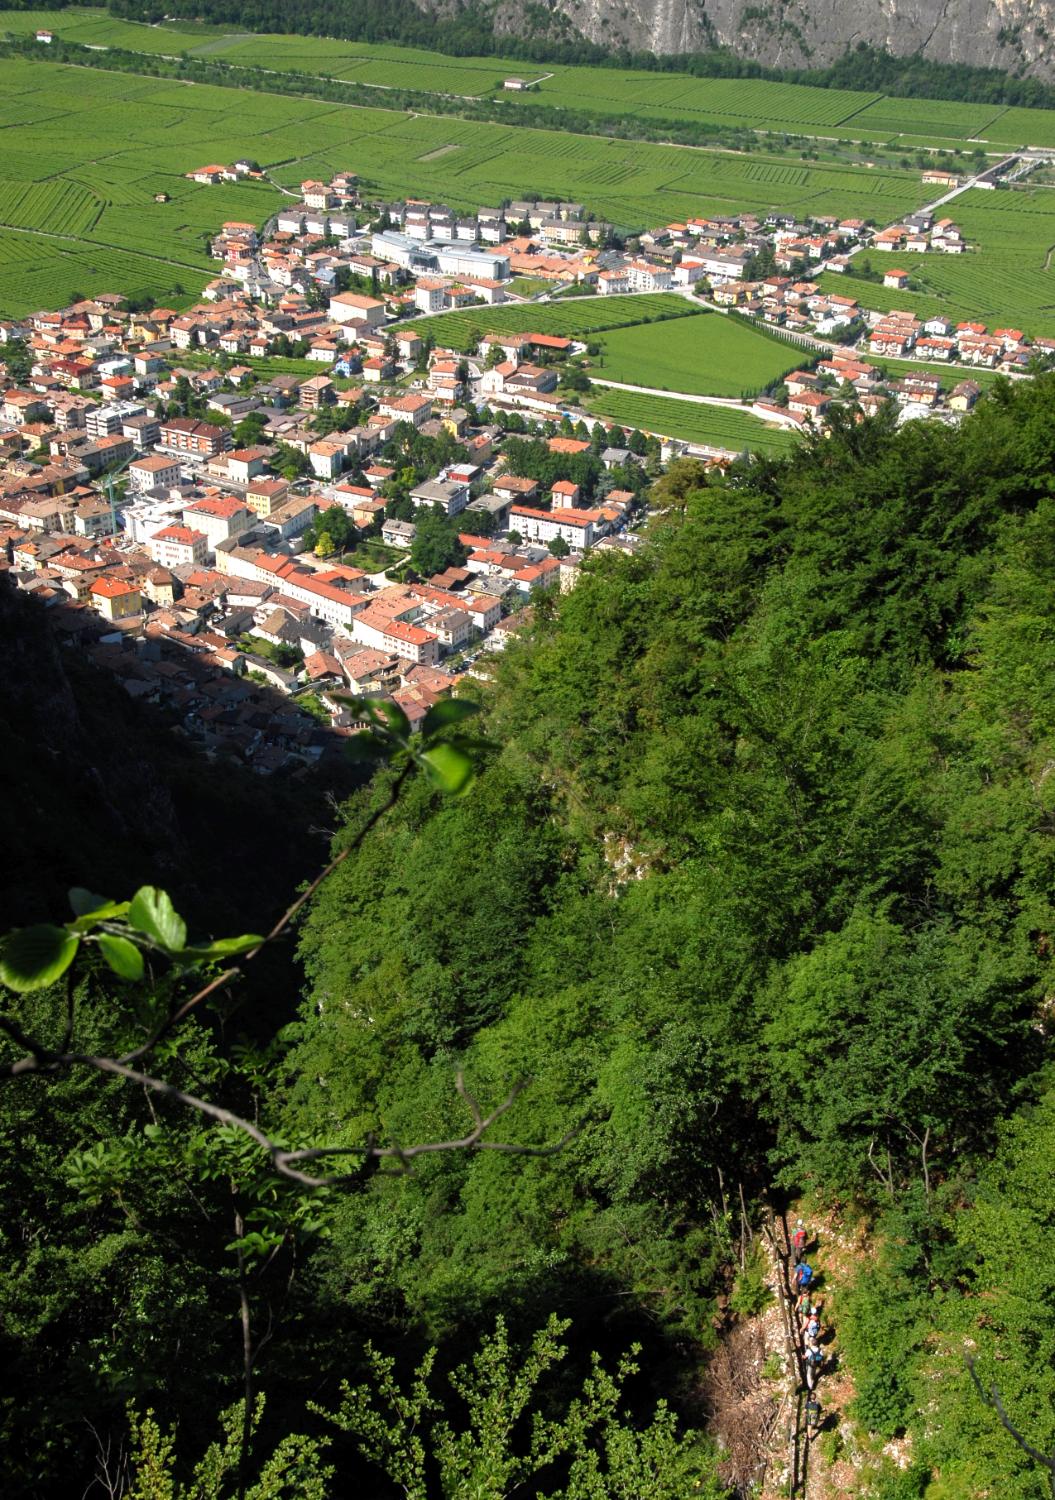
1014 35
101 794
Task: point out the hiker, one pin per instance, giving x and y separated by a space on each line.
802 1276
813 1360
813 1416
798 1243
813 1325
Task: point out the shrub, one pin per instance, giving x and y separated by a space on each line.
751 1292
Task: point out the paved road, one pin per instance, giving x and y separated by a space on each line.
732 403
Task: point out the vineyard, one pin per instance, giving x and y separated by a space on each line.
923 117
570 318
119 139
717 426
87 152
710 356
751 104
1006 282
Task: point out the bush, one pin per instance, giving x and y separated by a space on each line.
902 1484
883 1403
751 1292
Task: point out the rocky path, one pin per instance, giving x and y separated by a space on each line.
755 1386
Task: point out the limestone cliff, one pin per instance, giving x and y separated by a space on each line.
1015 35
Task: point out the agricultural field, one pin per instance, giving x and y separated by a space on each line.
112 142
718 426
119 139
898 369
708 356
529 286
1007 281
930 118
570 318
754 104
878 298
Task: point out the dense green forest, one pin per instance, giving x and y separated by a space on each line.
548 36
753 889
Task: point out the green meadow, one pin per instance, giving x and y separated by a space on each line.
716 426
708 356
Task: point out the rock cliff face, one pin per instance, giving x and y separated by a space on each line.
1016 35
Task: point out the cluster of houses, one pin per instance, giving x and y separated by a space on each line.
902 335
919 233
421 255
184 560
238 171
192 578
811 394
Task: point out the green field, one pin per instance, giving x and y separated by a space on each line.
573 317
86 151
109 142
751 104
1008 280
708 356
718 426
529 286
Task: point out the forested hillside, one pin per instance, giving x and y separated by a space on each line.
753 890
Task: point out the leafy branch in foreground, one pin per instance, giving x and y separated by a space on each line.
992 1399
145 940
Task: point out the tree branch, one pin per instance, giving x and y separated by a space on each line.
283 1160
991 1398
41 1059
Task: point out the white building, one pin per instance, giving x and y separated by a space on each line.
177 546
219 517
153 472
374 628
350 307
451 494
579 528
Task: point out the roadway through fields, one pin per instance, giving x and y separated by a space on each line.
732 403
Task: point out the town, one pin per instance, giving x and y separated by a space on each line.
250 547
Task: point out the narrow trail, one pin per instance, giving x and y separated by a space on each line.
820 1467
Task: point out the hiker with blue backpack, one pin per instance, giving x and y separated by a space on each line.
802 1276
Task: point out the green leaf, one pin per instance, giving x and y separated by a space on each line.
84 903
152 913
446 712
449 768
122 955
92 909
33 957
397 719
366 746
225 947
